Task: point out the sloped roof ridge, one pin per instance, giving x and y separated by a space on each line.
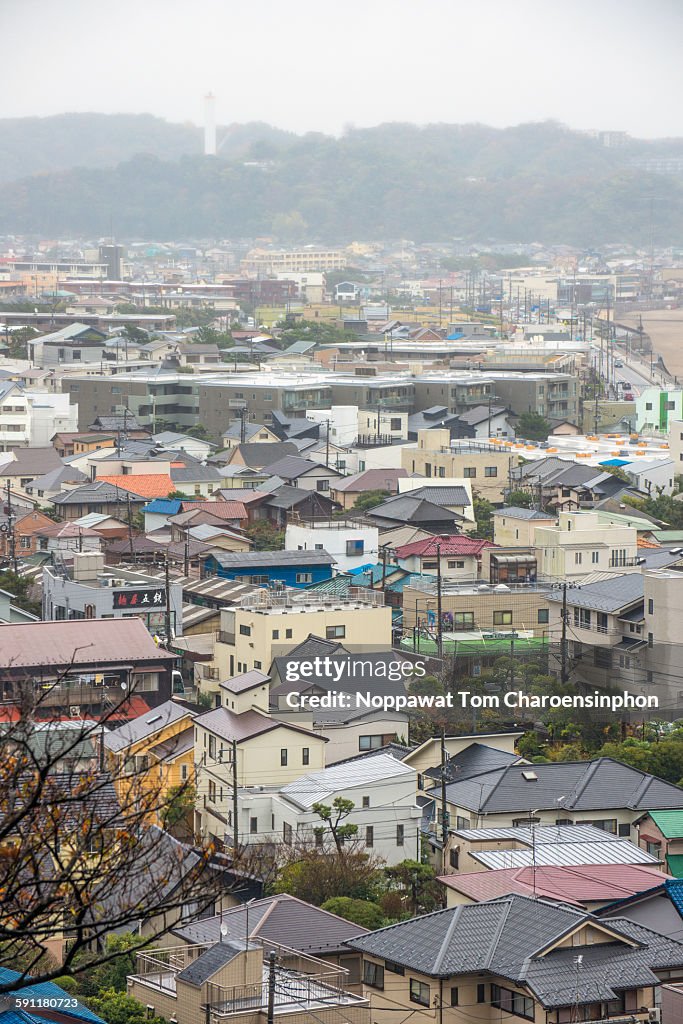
443 949
581 785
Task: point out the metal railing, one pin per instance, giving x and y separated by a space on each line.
264 600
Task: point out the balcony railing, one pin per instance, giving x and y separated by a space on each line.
267 600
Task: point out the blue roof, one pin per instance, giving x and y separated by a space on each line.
361 568
615 462
456 336
43 990
164 506
674 890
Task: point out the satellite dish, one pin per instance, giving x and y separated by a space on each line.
124 686
224 929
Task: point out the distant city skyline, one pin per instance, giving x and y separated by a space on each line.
607 64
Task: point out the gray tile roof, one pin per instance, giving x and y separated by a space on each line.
257 454
515 512
209 962
602 784
244 682
473 760
442 495
270 559
507 936
230 726
604 595
292 467
405 508
282 918
146 725
98 492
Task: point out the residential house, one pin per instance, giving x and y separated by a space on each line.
455 495
304 474
516 956
487 466
428 754
36 1002
284 502
351 544
249 749
99 496
285 920
257 454
515 527
661 834
589 886
454 557
242 431
46 487
59 540
263 568
371 784
25 464
580 544
141 484
229 978
351 488
157 750
409 510
659 907
27 528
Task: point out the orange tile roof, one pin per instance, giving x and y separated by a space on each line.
642 543
147 485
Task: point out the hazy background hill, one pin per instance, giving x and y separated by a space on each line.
77 174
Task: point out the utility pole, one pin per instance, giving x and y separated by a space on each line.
130 528
235 820
327 444
186 559
271 987
444 811
167 616
384 568
439 629
564 675
10 530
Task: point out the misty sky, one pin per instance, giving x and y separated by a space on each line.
313 65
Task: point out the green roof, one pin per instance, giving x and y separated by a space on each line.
619 519
669 823
675 864
665 536
481 647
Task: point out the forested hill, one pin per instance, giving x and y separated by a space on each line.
536 182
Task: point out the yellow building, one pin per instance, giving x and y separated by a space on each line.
486 466
155 750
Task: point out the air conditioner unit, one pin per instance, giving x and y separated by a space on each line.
654 1014
75 710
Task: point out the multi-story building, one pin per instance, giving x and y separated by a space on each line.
350 543
582 543
152 397
264 261
268 624
455 392
486 466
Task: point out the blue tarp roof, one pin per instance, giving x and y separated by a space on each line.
456 336
615 462
164 506
46 990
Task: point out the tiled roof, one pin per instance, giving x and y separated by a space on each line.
604 595
270 559
77 642
516 512
230 726
147 725
449 545
669 823
244 682
46 990
146 485
372 480
220 509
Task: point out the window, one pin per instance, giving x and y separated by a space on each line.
369 836
624 831
286 833
335 632
650 604
25 542
454 860
469 472
373 974
512 1002
595 557
461 822
578 557
490 471
582 618
323 485
183 773
212 791
212 746
304 577
481 993
400 834
253 826
370 742
654 849
543 615
606 824
355 547
288 634
395 423
276 634
602 622
453 564
283 757
306 755
394 968
419 992
502 618
463 620
454 997
245 630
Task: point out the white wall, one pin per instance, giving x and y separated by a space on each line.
343 420
48 414
334 541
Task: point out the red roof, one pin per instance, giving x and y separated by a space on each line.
220 509
578 884
147 485
127 710
449 545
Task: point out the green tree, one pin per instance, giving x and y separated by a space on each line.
180 805
112 974
19 587
370 499
520 499
118 1008
334 816
312 874
416 884
483 514
265 536
533 427
361 912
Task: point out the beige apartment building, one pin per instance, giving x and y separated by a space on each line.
486 466
581 544
269 624
297 261
516 527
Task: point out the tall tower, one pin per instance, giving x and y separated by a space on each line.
209 124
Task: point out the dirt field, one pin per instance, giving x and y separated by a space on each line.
665 327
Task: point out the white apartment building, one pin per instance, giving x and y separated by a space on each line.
350 544
580 544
